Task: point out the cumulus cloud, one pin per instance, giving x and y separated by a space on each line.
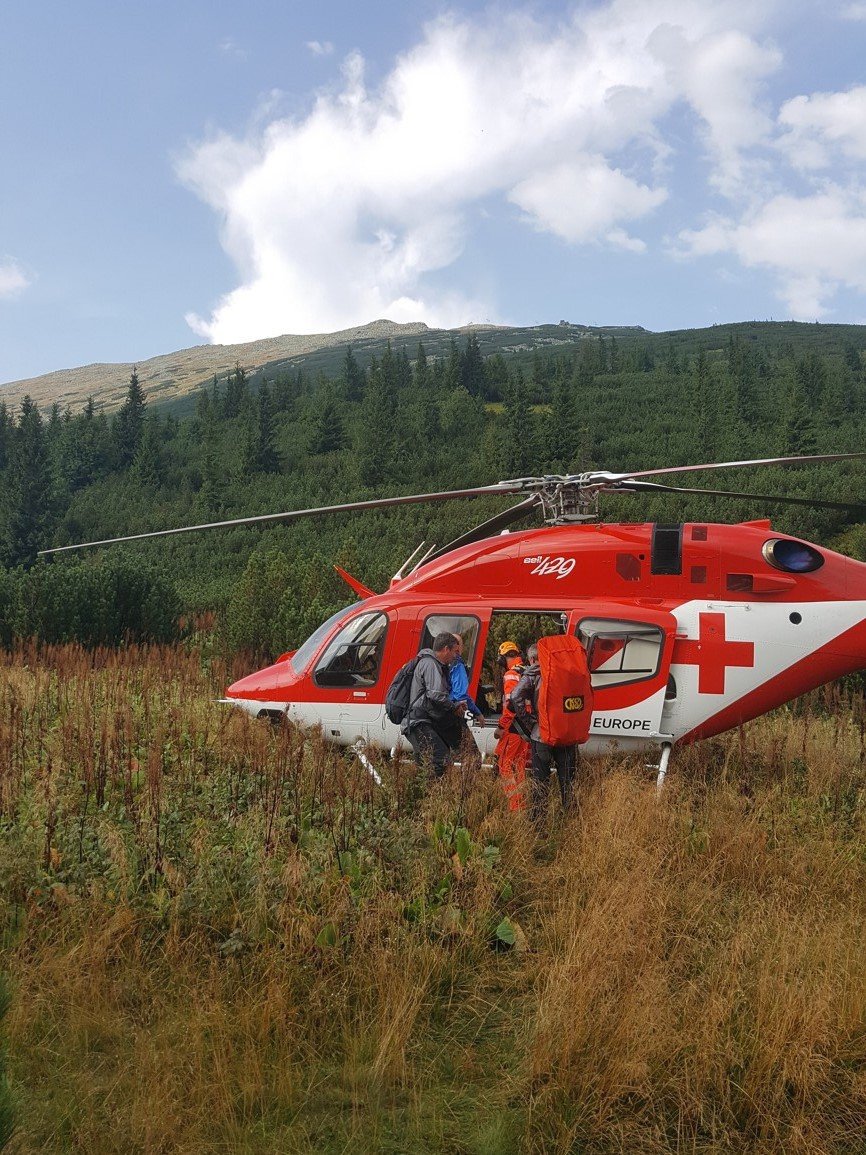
13 279
813 243
343 214
583 201
824 127
320 47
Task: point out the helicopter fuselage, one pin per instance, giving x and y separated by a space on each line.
690 629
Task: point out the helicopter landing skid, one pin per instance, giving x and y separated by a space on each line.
662 765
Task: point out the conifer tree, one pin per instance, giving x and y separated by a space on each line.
703 406
149 464
472 367
6 427
29 495
403 369
495 377
425 428
329 432
563 426
128 425
586 364
799 428
388 377
517 430
853 359
352 377
212 494
421 376
453 366
237 394
812 375
375 437
203 405
261 454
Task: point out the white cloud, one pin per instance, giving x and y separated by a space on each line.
339 216
823 127
13 279
720 77
814 244
320 47
582 200
855 11
230 47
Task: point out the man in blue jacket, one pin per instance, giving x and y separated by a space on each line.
459 678
455 730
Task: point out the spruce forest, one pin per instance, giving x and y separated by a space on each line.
402 422
221 935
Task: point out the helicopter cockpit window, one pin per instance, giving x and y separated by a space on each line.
462 624
301 658
619 652
354 657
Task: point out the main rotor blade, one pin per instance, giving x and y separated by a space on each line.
655 487
813 459
489 528
290 515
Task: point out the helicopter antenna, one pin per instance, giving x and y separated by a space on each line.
423 558
398 576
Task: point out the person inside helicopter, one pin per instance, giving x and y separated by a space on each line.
459 679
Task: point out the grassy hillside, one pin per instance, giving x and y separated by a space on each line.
224 937
172 380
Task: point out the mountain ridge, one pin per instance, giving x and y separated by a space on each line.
185 370
172 381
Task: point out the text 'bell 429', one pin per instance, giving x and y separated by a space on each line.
689 629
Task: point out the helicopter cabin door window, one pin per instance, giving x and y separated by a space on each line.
354 657
620 652
463 624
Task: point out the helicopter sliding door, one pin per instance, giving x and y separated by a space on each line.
415 627
628 651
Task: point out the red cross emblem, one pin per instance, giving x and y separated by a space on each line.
712 653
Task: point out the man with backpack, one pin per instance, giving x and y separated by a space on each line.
428 724
555 690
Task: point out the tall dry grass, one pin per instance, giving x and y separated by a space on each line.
224 936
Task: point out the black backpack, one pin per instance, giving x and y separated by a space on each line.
397 699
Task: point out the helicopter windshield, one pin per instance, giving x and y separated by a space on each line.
301 658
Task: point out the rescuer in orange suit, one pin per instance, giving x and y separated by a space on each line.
512 748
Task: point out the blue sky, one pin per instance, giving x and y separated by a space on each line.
177 173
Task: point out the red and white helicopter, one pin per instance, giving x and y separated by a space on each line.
690 629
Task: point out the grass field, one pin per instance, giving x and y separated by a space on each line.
223 937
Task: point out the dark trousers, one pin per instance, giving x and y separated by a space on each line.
452 729
544 759
428 745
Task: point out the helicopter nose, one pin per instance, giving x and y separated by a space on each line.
269 684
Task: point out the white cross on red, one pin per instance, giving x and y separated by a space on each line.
712 653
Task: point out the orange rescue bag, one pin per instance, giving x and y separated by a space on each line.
565 692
